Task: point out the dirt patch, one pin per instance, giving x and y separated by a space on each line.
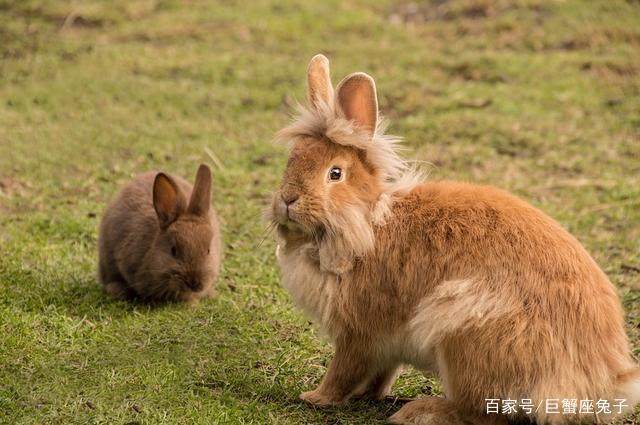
613 69
475 71
12 187
599 38
451 10
74 20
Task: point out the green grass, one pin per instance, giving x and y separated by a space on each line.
540 98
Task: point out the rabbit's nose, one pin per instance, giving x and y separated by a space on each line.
289 198
194 284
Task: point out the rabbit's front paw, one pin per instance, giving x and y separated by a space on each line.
119 290
317 398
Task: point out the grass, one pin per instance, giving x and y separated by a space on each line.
537 97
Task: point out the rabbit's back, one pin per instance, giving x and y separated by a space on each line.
479 265
450 231
523 280
128 228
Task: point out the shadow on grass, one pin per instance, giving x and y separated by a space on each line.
71 294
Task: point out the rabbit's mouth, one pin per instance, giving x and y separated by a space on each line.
194 285
291 226
293 231
291 217
188 283
294 220
286 218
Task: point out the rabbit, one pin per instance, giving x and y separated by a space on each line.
464 281
159 240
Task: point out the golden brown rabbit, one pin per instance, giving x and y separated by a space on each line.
155 245
465 281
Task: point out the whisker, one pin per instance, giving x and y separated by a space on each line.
268 231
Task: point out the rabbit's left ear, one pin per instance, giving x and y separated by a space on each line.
320 89
168 200
200 201
357 98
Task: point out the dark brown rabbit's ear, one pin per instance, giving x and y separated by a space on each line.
319 88
168 200
356 97
200 201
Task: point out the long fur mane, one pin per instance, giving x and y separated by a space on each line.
382 151
349 232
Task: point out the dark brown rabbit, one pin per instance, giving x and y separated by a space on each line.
160 240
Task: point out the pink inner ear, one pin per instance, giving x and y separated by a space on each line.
166 196
358 101
358 109
168 201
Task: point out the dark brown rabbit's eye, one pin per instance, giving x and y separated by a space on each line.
174 251
335 174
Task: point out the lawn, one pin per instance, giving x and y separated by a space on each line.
538 97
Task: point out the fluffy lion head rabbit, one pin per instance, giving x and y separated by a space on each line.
464 281
160 240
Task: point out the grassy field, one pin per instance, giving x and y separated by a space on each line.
538 97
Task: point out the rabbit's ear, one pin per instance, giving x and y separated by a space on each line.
200 201
358 100
168 200
320 89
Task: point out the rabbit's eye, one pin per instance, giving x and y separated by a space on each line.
174 251
335 174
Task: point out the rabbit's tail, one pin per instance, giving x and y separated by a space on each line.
628 388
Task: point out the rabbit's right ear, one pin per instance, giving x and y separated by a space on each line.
168 200
358 100
320 89
200 201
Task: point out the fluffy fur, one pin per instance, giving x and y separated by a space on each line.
465 281
159 240
382 150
